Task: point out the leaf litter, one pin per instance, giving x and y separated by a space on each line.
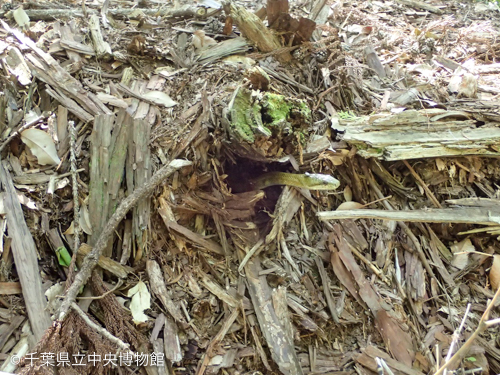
398 100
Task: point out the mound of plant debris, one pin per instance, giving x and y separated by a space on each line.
230 188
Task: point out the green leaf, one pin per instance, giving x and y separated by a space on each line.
63 256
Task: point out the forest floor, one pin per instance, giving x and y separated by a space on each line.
137 236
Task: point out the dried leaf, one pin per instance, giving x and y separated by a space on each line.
348 194
460 256
468 86
160 98
17 66
349 206
27 202
337 158
440 164
201 41
141 300
495 272
22 19
41 145
71 229
237 60
85 220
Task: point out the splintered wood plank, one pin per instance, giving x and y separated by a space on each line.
420 134
273 318
220 50
138 171
254 29
102 48
108 155
159 288
99 174
7 330
25 257
173 349
482 216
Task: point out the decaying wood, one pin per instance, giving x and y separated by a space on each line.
218 338
196 238
102 48
326 289
109 150
254 29
397 340
159 288
271 322
373 61
39 178
446 215
25 257
7 331
368 355
286 79
10 288
138 171
171 341
65 88
217 290
186 11
223 49
421 134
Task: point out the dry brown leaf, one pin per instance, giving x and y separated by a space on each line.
350 206
337 157
440 164
348 194
41 145
495 272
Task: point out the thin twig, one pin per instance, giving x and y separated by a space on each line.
76 202
429 193
456 335
482 326
118 285
74 180
91 259
374 269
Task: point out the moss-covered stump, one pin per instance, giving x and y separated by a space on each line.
266 126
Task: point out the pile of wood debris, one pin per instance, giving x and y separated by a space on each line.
132 239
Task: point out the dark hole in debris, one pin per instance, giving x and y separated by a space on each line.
240 173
